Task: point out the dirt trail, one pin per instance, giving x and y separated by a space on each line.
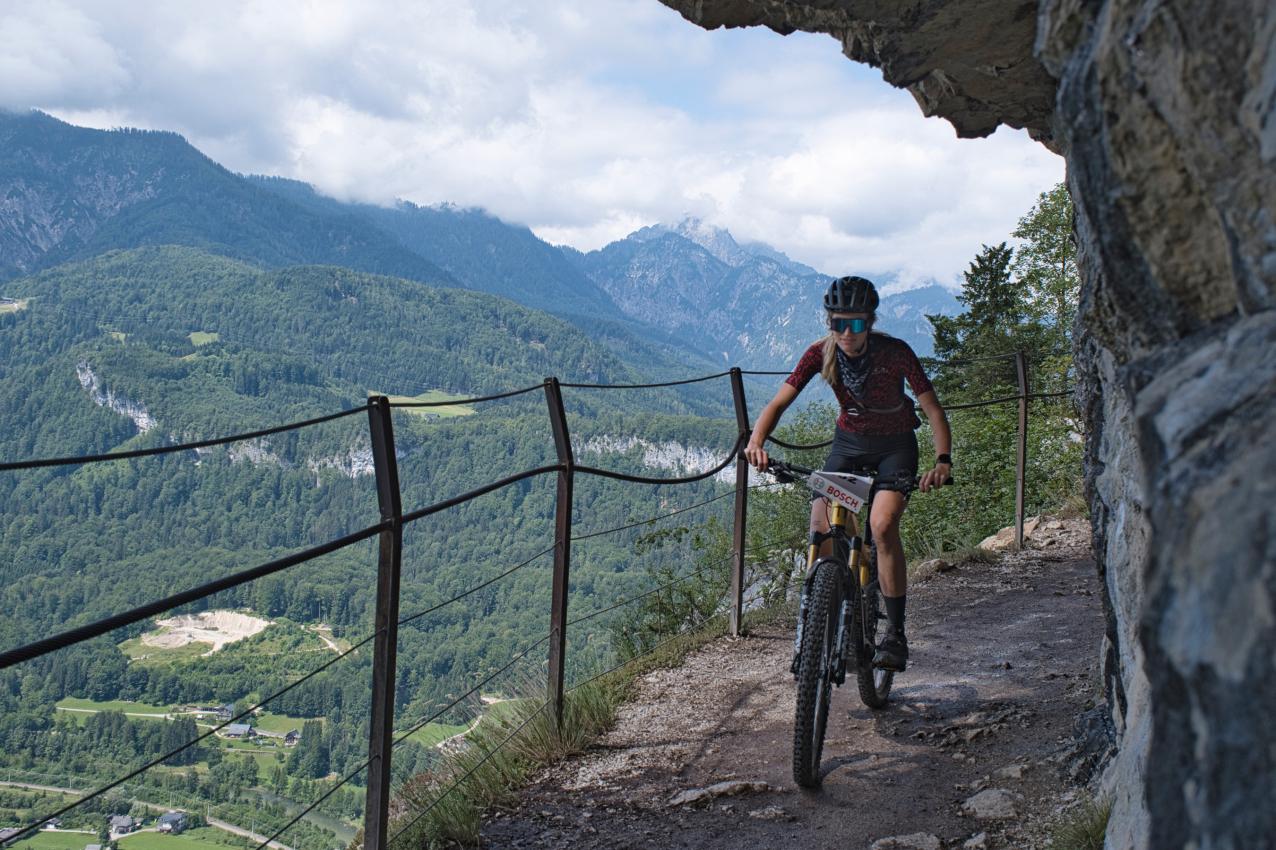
1003 663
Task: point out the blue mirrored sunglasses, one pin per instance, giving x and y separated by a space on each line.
841 326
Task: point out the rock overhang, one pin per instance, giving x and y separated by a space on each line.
970 62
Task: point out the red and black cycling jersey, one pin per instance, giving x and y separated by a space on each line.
883 408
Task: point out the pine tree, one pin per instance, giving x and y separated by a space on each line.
998 319
1046 262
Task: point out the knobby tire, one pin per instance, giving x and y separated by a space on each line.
814 680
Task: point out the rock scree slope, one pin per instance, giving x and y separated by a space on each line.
978 737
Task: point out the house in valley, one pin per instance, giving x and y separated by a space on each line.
172 822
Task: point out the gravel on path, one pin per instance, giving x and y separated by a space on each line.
1004 659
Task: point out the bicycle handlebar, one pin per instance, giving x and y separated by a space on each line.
787 473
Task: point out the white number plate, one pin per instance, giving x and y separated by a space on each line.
850 491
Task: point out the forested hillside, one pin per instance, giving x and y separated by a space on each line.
72 193
144 347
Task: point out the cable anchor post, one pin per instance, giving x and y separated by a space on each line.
741 500
562 548
385 645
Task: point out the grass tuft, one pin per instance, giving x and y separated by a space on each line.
518 736
502 750
1082 828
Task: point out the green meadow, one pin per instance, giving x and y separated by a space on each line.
443 411
45 840
80 706
191 839
432 733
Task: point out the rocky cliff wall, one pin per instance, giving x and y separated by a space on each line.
1166 113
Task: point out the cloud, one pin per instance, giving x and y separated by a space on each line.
583 121
54 52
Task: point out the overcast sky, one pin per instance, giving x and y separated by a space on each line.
584 120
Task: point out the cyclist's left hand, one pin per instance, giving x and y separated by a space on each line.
935 477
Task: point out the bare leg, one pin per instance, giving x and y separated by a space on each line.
888 507
820 524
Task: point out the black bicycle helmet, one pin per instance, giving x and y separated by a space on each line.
851 294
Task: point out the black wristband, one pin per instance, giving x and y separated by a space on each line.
944 458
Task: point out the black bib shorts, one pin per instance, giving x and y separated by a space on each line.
894 456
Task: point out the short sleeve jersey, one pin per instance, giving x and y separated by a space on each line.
884 409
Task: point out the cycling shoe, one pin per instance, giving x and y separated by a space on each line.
892 652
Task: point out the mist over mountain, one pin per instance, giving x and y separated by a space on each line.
152 297
70 193
669 298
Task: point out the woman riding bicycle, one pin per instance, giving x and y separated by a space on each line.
875 430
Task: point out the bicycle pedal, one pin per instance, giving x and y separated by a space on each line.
892 668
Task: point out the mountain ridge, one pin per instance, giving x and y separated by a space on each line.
752 303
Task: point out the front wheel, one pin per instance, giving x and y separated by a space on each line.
815 672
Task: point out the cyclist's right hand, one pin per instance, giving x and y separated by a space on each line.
757 457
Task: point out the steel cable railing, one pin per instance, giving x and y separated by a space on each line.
632 599
403 621
650 520
701 621
471 771
656 385
679 580
349 777
393 520
476 400
33 827
514 733
421 513
142 612
947 407
181 447
471 692
796 447
658 517
688 479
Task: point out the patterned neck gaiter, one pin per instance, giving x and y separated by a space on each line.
854 370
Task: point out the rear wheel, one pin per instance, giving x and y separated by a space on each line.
875 684
815 673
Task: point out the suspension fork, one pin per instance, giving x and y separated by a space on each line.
842 550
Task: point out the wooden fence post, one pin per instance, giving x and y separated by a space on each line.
562 547
741 502
385 646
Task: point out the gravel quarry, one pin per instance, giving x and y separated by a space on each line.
217 628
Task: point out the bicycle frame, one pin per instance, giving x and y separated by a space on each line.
851 555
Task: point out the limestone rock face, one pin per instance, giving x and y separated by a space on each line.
1166 113
970 62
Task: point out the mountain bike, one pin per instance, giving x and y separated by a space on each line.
839 612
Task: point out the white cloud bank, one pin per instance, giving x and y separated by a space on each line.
583 121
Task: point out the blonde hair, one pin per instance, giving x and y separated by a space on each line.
829 370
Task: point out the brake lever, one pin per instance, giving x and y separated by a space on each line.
780 472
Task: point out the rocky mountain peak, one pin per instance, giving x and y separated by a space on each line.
716 240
